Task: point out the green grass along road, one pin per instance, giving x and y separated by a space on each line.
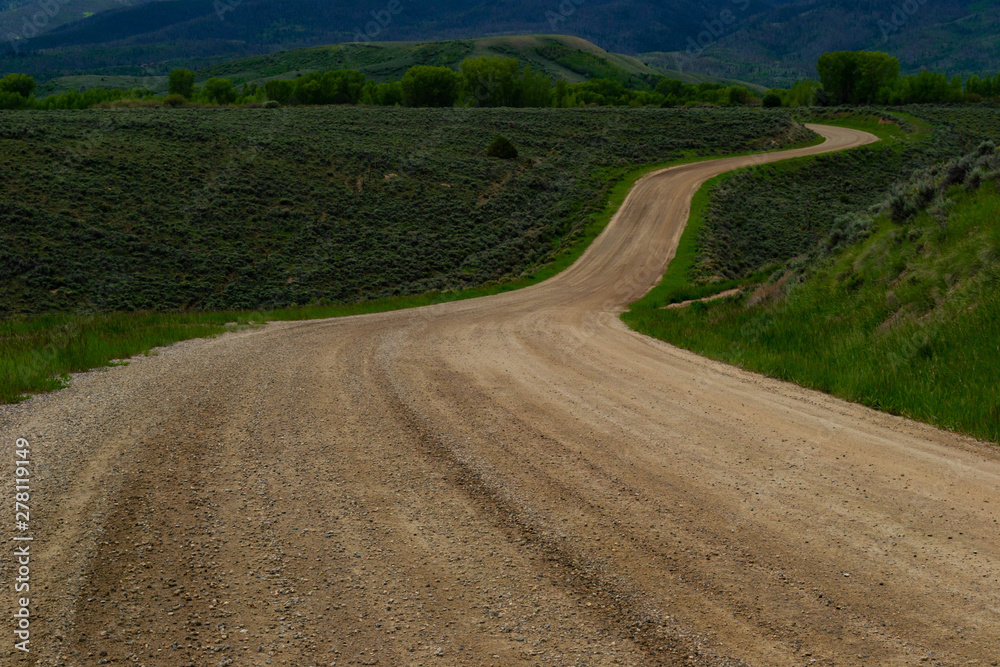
904 321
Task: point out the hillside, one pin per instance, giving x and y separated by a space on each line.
194 33
558 56
767 42
893 306
22 19
223 209
782 44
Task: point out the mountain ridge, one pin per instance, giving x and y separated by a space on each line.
765 41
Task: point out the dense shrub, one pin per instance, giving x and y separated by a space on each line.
220 91
771 99
17 84
502 148
426 86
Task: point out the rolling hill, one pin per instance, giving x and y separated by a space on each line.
561 57
783 43
771 41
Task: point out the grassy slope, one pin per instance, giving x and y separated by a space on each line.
904 321
933 38
684 278
578 60
36 352
390 60
224 209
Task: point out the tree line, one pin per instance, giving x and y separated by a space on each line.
845 77
872 77
479 82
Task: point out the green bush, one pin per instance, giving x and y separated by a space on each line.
173 100
181 82
17 84
502 148
426 86
220 91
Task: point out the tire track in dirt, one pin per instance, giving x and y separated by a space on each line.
517 479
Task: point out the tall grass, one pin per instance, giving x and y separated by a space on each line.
905 321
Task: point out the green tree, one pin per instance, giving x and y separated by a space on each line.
561 94
838 73
534 89
17 84
490 81
427 86
279 90
771 99
181 82
387 94
334 87
857 77
803 93
737 95
220 91
877 72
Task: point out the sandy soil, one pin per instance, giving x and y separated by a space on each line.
511 480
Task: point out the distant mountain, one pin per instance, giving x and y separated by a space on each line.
784 42
763 40
24 19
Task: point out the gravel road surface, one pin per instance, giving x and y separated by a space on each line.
517 479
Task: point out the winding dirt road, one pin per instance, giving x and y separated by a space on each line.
511 480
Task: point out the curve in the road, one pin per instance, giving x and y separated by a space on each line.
517 479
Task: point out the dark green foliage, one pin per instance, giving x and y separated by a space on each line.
220 91
17 84
492 81
337 87
771 100
427 86
279 90
868 78
181 82
15 91
857 77
321 88
502 148
162 209
174 100
387 94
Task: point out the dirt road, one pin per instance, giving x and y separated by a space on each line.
511 480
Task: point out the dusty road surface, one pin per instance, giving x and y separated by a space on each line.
511 480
